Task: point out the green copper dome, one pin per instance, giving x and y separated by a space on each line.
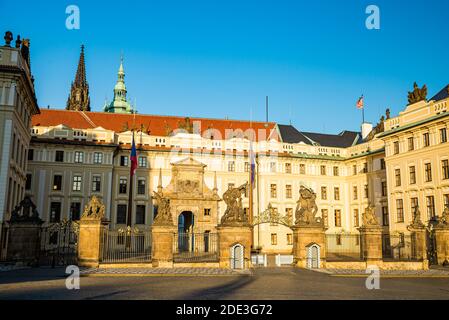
120 103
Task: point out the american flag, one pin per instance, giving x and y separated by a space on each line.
133 158
360 103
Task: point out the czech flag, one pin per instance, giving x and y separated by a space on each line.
133 158
252 161
360 103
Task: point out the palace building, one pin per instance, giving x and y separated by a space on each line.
67 156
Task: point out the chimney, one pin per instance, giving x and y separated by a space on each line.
366 129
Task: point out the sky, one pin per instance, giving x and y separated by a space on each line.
219 59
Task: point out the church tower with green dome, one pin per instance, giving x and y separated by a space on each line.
120 103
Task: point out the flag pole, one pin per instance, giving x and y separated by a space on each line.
129 220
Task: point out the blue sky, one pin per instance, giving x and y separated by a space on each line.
220 59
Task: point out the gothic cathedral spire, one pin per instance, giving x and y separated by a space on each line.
79 94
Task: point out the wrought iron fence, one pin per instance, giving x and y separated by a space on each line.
398 247
343 247
126 246
59 244
195 247
3 242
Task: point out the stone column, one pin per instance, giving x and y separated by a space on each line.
162 237
229 236
419 243
24 234
371 244
303 237
24 242
91 230
442 243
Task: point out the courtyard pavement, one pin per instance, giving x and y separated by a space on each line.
262 284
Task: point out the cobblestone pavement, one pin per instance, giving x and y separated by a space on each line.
397 273
163 271
263 284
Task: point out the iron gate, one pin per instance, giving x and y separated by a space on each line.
59 244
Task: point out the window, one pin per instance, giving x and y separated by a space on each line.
57 182
123 161
28 182
426 139
336 173
273 191
355 193
338 240
231 166
288 168
289 239
412 170
289 214
324 215
207 212
272 166
428 172
336 193
323 170
142 162
413 205
396 147
337 214
400 210
443 135
59 156
446 199
288 191
365 167
354 169
140 214
96 183
445 165
121 213
274 239
79 157
411 144
397 174
75 211
55 212
384 188
356 217
430 207
30 154
382 164
76 186
141 186
385 216
123 185
98 157
365 188
324 193
302 168
247 167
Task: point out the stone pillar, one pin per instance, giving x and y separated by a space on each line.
90 242
303 237
419 243
91 231
230 235
24 242
162 237
371 244
442 243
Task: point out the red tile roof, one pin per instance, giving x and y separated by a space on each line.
151 124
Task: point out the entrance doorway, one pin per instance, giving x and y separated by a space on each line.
186 222
237 257
313 256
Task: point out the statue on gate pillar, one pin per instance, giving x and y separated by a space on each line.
369 218
234 213
307 209
444 220
164 216
94 210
